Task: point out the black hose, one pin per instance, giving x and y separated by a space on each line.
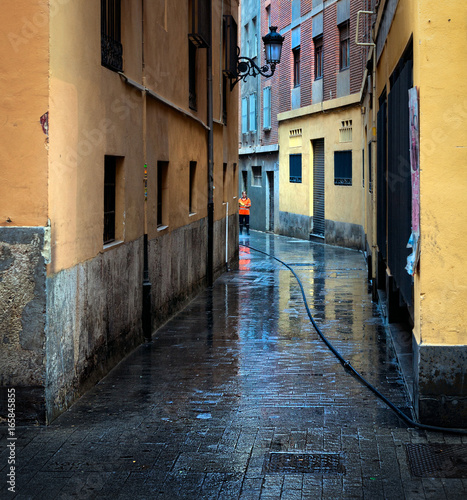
346 364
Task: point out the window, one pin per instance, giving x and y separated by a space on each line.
162 193
344 51
110 166
252 113
370 177
256 178
319 64
246 37
111 46
268 15
295 168
192 193
244 115
254 48
244 180
296 67
267 108
343 168
192 74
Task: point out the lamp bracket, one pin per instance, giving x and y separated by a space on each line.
247 67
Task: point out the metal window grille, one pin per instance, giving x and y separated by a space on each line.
192 197
343 168
200 34
110 166
111 46
295 168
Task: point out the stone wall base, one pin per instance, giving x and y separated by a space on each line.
440 387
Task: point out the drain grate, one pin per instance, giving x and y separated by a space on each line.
437 460
299 463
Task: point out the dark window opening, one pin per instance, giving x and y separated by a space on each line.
344 42
192 197
192 75
110 166
296 67
295 168
111 46
162 175
319 64
343 168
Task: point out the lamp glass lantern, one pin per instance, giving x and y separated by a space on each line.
273 46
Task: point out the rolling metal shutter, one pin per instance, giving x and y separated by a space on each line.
318 187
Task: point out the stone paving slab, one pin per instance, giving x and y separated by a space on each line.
237 375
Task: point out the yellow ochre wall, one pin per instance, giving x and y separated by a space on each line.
92 113
440 73
24 82
342 203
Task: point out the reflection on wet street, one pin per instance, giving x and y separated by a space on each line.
238 375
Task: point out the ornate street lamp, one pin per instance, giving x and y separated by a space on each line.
247 67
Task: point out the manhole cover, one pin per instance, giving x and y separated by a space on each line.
437 460
297 463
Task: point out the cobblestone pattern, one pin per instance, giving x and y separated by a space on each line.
239 374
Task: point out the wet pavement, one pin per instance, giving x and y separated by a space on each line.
238 398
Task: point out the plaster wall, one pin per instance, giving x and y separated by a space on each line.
343 204
439 293
93 114
24 82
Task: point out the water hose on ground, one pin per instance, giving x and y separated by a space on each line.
347 365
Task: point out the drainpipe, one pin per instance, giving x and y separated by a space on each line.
146 318
373 146
210 242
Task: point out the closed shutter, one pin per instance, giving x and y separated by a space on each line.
318 187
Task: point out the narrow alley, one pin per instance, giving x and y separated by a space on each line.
237 397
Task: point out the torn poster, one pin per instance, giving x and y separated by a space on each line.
414 243
44 119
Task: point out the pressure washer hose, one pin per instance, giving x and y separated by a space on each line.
346 364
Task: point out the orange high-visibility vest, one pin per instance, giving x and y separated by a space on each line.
244 206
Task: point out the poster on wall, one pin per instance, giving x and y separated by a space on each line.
414 131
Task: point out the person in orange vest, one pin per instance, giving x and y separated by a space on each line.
244 205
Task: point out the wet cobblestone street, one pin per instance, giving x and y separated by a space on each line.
231 385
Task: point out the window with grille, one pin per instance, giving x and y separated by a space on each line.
267 108
162 193
256 178
192 188
111 43
343 168
344 43
319 62
295 168
110 166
